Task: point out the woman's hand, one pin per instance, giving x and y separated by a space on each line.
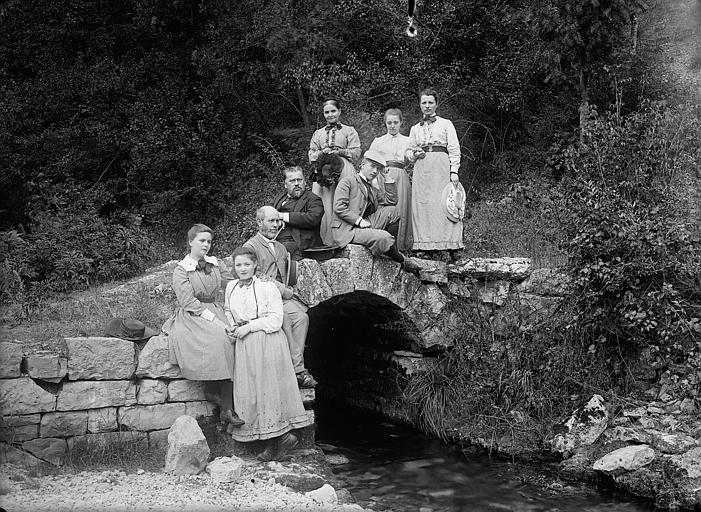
230 334
328 151
287 293
419 154
242 331
454 178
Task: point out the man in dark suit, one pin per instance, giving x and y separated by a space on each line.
274 262
359 216
301 210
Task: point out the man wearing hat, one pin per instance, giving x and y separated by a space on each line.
301 210
359 216
275 262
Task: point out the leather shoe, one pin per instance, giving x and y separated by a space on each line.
270 453
411 266
305 380
231 418
286 443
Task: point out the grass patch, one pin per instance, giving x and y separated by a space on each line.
505 383
116 453
526 223
44 325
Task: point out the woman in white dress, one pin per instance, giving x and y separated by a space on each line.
265 387
394 180
435 149
334 139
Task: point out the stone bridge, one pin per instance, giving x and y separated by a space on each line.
370 322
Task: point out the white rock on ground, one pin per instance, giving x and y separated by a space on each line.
188 450
225 469
629 458
325 494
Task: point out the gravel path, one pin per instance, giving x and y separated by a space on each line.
118 491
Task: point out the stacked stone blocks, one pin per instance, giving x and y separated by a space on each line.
101 391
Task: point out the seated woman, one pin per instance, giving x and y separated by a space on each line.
197 331
265 386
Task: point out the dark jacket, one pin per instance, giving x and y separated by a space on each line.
305 218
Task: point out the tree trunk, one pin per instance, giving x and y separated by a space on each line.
633 33
303 108
583 102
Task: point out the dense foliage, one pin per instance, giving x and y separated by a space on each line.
161 113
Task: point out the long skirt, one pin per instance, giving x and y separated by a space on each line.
326 194
199 347
432 229
266 395
397 187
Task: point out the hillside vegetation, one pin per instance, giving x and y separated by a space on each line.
121 123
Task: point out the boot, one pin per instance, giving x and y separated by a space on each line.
286 443
270 452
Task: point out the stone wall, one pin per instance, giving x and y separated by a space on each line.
102 391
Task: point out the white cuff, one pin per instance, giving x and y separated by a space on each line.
285 217
208 315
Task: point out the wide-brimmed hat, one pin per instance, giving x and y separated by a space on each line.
375 156
453 202
320 253
328 169
129 329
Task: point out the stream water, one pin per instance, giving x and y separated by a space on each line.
391 467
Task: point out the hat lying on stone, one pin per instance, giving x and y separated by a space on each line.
129 329
453 202
320 252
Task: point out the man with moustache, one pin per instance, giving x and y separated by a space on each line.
301 211
275 263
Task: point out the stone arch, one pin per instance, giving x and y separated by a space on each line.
420 298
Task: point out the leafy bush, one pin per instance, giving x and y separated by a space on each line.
70 247
634 254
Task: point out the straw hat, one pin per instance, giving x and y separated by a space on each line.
453 202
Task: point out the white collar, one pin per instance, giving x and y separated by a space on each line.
362 177
266 239
189 263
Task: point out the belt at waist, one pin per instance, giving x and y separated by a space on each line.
206 300
395 163
435 149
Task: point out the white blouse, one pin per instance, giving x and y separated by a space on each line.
439 133
259 304
392 147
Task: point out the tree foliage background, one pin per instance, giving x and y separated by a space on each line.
121 123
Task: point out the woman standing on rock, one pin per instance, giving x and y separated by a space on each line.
434 146
334 145
394 180
197 331
265 385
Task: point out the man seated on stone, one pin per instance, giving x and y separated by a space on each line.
275 263
301 210
360 218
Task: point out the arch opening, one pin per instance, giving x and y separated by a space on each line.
356 348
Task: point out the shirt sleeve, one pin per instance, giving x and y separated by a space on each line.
314 148
453 146
271 320
341 203
186 295
353 147
413 143
227 307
